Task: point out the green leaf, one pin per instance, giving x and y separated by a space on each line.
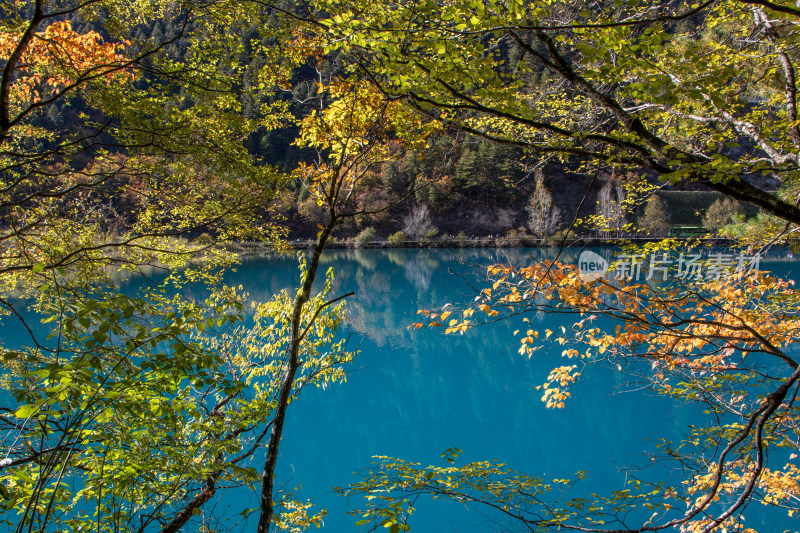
25 411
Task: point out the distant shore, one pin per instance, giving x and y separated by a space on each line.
485 242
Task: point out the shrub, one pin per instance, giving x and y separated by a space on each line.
204 239
428 236
367 235
560 236
512 239
397 239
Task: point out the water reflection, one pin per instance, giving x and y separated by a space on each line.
392 284
413 394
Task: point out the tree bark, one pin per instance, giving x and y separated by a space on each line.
11 66
200 498
292 363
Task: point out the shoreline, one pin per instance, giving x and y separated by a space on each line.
482 242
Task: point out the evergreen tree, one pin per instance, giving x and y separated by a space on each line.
392 179
468 167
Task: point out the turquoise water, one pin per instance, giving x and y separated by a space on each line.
414 394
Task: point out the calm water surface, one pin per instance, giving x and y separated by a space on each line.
414 394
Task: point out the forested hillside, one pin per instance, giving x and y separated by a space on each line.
466 183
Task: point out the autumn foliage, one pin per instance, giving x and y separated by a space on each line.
57 59
725 343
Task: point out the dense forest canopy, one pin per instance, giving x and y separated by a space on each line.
159 135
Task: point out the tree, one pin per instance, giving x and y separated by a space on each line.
147 435
350 134
720 214
148 405
160 141
468 166
393 179
695 92
653 108
543 217
655 219
418 223
169 164
488 170
704 338
611 208
134 409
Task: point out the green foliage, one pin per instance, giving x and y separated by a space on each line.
696 93
135 410
690 99
397 238
137 405
155 153
488 169
392 178
367 235
391 488
150 402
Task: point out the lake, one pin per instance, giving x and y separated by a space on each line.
412 394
